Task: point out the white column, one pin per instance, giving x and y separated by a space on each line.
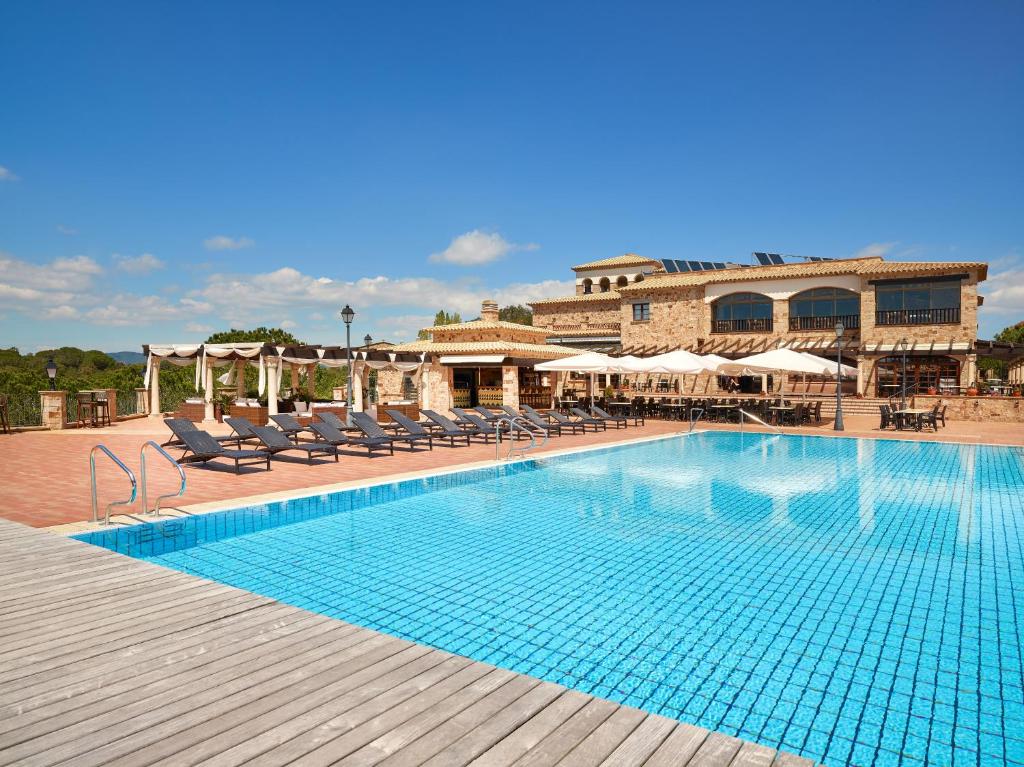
357 388
273 376
425 385
154 388
208 384
240 378
311 380
295 377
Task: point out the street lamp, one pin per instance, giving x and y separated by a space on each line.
347 315
903 375
367 340
838 425
51 373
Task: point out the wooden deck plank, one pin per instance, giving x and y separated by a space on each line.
753 755
718 750
565 738
507 750
604 739
679 747
786 759
641 743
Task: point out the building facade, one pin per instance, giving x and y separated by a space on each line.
898 315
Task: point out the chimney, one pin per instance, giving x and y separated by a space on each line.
489 311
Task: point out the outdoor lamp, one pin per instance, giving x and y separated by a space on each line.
347 314
51 373
367 340
840 329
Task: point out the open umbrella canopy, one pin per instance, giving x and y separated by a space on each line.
588 362
631 364
775 360
679 361
829 366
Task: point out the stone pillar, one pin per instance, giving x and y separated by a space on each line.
112 403
53 409
863 375
240 378
425 384
295 378
141 400
154 389
311 381
208 383
510 386
358 406
969 371
273 376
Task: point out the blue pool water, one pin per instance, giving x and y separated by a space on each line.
859 602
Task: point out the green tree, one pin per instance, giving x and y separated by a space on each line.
441 318
266 335
516 313
1013 334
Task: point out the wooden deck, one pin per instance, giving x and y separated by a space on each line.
110 660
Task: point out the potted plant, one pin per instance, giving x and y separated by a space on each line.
932 390
972 390
222 405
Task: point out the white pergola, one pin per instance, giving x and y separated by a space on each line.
272 361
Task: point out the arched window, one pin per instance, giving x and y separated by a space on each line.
621 282
638 278
742 313
923 373
822 308
588 285
606 284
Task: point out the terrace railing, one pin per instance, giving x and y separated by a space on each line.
949 316
763 325
850 322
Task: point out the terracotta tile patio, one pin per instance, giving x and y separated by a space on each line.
45 477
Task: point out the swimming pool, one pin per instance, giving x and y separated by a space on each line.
853 601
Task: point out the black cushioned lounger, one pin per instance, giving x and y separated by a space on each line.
417 429
372 429
619 421
333 436
448 425
205 448
179 426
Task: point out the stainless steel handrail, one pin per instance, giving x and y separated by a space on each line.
92 477
753 417
693 421
142 472
522 425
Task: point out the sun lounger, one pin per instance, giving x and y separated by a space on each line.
179 426
536 422
545 416
333 436
619 421
487 414
332 419
204 447
290 425
473 419
413 428
277 442
562 420
373 430
242 427
448 425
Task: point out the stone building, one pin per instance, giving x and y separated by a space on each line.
636 305
484 362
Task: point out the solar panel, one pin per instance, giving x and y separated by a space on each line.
670 265
720 265
763 259
707 266
695 266
682 266
776 259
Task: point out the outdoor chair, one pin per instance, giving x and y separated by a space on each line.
204 447
544 416
275 442
181 426
539 423
332 419
373 430
413 428
447 425
940 415
242 427
487 414
86 409
887 418
817 411
930 419
290 425
333 436
620 421
582 423
481 425
5 414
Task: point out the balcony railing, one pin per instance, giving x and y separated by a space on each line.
850 322
742 326
918 317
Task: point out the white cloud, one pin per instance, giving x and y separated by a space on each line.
7 175
223 242
141 264
63 312
198 327
66 229
287 324
1004 292
875 249
132 309
317 317
476 247
64 275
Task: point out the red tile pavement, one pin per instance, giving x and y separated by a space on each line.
44 476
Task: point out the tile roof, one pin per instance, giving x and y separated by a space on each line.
485 325
585 332
511 348
609 295
912 267
626 259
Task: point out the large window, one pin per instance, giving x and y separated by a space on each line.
588 285
641 312
822 308
933 302
742 313
923 373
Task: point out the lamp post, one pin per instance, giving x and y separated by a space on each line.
51 373
347 315
903 375
838 425
367 340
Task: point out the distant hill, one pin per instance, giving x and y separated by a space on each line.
128 358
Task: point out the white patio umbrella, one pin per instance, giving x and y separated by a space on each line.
588 362
679 361
829 366
773 361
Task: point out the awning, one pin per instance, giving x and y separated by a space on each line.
472 359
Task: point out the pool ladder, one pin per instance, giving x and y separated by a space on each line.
131 478
752 417
521 425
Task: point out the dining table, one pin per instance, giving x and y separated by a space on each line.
911 418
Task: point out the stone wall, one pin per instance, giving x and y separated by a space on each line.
967 330
981 409
510 386
601 315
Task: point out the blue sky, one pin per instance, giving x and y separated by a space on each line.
171 168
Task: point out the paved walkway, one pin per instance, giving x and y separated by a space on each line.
111 660
45 478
